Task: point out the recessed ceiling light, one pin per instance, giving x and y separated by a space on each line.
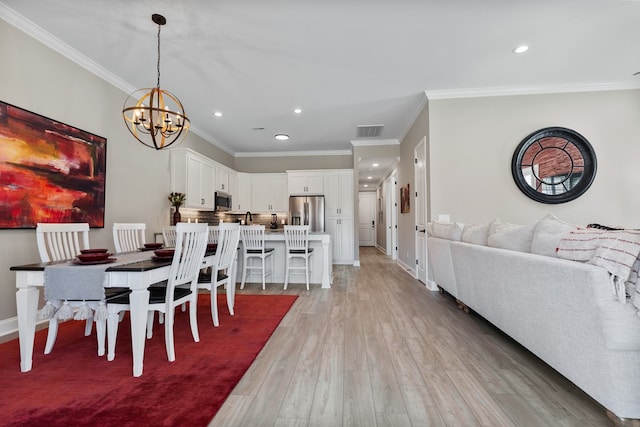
375 165
369 177
521 49
281 137
297 110
366 185
217 114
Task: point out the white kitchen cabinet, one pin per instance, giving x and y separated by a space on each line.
305 183
339 219
222 180
341 230
242 194
339 194
193 175
269 192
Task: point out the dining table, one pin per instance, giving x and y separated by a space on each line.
127 271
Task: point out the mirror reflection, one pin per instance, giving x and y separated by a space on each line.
554 165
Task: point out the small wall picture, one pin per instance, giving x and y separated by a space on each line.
404 199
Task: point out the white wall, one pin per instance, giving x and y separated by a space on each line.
472 141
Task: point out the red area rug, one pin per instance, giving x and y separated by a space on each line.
72 386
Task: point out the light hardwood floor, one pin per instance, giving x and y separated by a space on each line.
378 349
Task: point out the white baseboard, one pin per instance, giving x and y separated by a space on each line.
407 268
8 326
431 285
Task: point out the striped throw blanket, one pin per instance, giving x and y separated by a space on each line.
616 251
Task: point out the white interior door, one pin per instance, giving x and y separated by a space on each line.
420 197
367 217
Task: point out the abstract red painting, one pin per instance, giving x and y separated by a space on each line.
49 171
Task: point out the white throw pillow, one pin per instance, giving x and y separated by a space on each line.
547 235
476 233
513 237
448 230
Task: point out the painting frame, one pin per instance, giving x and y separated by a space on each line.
405 199
49 171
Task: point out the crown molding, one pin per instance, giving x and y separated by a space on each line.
412 119
46 38
372 142
530 90
296 153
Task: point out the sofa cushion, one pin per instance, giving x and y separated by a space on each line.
511 236
448 230
547 235
476 233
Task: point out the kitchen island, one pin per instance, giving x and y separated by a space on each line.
321 260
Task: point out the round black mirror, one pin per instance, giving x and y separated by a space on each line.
554 165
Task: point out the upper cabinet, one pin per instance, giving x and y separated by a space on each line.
339 201
305 182
222 180
242 193
269 192
193 175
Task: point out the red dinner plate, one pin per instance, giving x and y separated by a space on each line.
102 261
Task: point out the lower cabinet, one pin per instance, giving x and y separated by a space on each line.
341 230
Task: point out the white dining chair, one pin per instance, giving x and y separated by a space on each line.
169 236
190 247
223 272
59 242
296 244
213 234
128 237
253 249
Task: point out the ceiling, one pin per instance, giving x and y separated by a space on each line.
345 63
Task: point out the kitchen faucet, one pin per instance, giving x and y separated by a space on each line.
248 214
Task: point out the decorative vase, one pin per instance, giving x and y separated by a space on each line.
176 215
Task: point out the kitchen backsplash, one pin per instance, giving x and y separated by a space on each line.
214 218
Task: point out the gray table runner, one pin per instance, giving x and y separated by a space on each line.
69 281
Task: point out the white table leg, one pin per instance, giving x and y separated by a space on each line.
27 305
139 303
326 264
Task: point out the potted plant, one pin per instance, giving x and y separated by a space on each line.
176 200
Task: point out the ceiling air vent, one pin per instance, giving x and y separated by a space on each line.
369 131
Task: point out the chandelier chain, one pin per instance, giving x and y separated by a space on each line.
158 83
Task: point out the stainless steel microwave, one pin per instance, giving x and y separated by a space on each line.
223 201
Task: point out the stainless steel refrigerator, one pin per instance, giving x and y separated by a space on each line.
307 210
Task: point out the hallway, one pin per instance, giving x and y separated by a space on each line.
379 349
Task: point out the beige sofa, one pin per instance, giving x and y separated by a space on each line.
562 311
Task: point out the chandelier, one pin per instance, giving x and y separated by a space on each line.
154 116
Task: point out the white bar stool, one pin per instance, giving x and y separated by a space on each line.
253 247
296 240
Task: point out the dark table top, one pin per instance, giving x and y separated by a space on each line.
145 265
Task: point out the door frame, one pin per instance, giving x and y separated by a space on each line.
421 206
391 212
